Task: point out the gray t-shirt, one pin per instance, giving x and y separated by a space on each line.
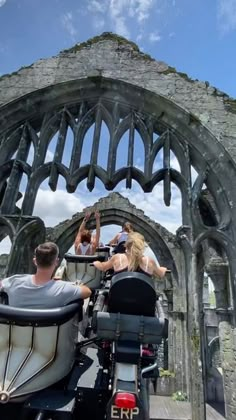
23 293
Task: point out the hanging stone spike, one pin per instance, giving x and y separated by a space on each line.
54 175
111 164
95 147
13 185
166 165
96 136
82 111
130 154
116 115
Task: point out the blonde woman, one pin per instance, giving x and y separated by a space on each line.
118 242
133 259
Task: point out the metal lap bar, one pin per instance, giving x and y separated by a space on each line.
23 362
149 368
77 272
8 356
40 370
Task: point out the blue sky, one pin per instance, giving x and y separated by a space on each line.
197 37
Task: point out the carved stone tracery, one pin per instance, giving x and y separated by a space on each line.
30 122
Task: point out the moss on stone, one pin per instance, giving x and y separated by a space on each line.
14 73
230 104
145 56
170 70
103 37
166 373
181 74
195 340
110 36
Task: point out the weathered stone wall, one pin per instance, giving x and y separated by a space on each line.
228 351
113 57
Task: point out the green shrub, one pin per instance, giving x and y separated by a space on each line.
180 396
166 373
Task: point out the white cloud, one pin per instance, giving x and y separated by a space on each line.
67 22
54 207
131 18
49 156
174 163
98 24
153 205
118 16
2 2
95 6
171 34
227 15
139 37
137 9
122 14
5 246
154 37
141 9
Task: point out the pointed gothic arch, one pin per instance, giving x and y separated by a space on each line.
35 116
192 143
115 209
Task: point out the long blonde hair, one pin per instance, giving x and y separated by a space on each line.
135 245
127 227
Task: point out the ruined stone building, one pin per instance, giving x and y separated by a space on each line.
108 80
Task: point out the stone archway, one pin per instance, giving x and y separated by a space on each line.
115 209
98 86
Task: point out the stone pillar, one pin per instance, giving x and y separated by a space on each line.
27 232
194 336
171 349
218 272
166 340
196 363
179 359
205 292
228 357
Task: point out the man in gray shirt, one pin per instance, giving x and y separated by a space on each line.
40 290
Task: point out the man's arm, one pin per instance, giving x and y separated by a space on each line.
85 291
72 292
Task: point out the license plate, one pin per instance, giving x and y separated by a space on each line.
124 413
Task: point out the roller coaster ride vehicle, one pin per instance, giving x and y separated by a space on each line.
46 373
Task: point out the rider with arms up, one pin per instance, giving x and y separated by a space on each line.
85 242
